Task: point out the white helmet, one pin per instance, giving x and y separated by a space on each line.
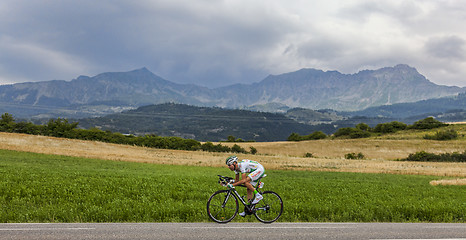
230 160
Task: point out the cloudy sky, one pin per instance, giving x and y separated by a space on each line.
220 42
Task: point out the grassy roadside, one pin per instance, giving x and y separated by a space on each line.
51 188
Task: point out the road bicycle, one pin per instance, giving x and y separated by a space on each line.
223 205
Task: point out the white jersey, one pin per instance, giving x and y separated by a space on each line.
254 170
248 166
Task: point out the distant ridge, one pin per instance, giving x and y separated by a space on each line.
316 89
306 88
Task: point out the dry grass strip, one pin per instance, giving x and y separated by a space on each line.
275 155
457 181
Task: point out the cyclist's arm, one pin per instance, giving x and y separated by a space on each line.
244 178
237 177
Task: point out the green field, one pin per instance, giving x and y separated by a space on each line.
49 188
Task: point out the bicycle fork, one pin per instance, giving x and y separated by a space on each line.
226 199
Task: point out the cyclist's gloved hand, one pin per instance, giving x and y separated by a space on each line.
229 185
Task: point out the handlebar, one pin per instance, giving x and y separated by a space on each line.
225 179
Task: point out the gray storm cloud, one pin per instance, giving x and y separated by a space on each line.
218 43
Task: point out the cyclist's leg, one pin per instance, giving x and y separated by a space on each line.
254 179
251 181
250 194
250 188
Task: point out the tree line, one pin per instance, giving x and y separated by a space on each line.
63 129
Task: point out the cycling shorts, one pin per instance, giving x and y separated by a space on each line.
255 175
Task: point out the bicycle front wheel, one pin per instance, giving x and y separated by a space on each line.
270 208
222 206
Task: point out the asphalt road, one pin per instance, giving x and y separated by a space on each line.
104 231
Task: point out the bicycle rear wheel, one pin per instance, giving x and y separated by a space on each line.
270 208
222 206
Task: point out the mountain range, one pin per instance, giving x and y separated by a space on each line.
306 88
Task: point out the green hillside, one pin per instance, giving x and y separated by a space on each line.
202 123
451 108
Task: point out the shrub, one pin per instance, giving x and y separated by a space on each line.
354 156
210 147
443 135
316 135
313 136
423 156
351 133
253 150
427 123
294 137
58 128
7 123
308 155
238 149
390 127
27 127
346 131
359 134
231 139
363 127
207 147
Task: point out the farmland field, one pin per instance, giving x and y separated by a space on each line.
46 179
52 188
328 154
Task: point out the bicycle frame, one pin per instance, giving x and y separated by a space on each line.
235 192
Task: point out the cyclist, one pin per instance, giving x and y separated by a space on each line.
250 171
